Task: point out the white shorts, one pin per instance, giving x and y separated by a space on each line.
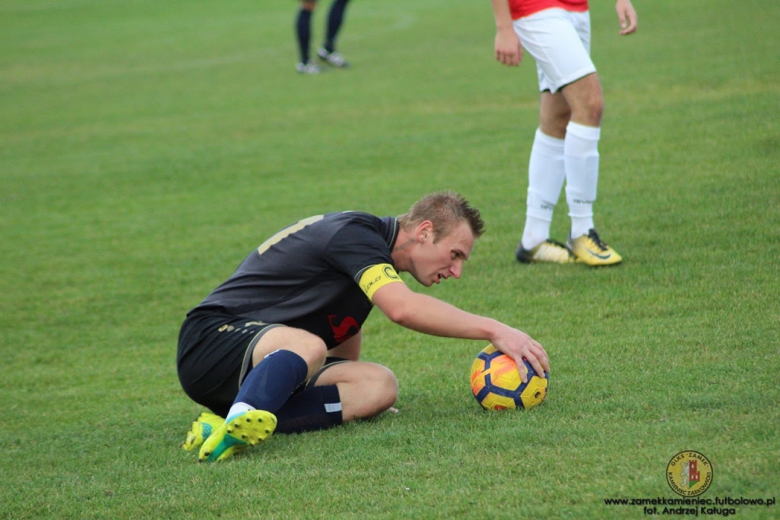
559 41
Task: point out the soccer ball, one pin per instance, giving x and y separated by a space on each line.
496 383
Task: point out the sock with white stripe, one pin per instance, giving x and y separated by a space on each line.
315 408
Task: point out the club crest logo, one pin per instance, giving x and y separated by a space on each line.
689 473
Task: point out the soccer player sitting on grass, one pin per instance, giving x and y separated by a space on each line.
276 347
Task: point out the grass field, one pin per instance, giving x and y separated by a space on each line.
146 147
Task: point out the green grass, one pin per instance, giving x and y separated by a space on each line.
146 147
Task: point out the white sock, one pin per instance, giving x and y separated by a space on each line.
546 172
239 408
582 175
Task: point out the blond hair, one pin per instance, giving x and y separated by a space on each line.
445 210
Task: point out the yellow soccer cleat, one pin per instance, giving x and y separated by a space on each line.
201 429
591 250
236 434
549 251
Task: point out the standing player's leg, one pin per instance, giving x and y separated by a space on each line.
583 132
581 150
586 99
548 36
327 52
303 37
546 173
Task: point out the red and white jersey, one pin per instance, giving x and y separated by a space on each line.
523 8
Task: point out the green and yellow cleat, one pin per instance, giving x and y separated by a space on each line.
591 250
236 434
550 251
203 426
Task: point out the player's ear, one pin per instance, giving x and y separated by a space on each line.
424 230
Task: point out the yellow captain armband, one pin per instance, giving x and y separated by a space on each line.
378 276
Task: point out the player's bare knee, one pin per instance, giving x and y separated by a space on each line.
373 392
384 388
313 350
595 110
308 346
554 119
586 100
589 112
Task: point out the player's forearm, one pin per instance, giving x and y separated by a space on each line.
502 15
429 315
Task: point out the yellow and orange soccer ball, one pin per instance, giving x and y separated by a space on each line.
496 383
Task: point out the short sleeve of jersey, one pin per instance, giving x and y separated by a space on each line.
361 250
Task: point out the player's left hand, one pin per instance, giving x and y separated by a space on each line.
518 345
627 16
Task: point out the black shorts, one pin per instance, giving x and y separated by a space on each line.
215 355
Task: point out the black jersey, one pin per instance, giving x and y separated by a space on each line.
318 275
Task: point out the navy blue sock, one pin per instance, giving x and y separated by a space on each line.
269 384
315 408
335 19
303 33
